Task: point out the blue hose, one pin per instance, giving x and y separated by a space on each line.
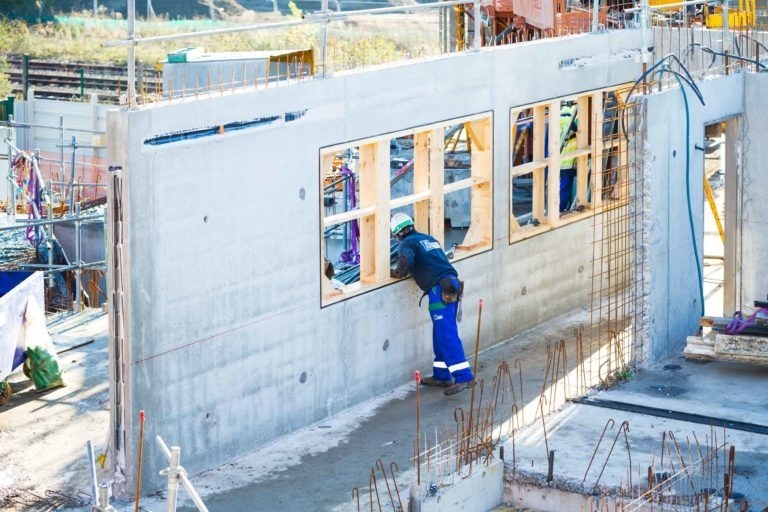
688 192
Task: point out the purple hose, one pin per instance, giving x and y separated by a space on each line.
351 255
739 323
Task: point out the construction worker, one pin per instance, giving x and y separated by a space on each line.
568 142
422 257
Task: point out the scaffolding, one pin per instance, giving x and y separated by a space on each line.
59 199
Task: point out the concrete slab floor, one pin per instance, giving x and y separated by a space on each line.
317 467
43 436
718 389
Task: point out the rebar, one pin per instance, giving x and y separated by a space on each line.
597 447
380 467
394 470
624 427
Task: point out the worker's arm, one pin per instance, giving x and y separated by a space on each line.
405 260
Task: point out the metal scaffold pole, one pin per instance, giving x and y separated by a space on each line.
324 36
11 181
131 88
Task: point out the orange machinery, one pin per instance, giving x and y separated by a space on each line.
523 20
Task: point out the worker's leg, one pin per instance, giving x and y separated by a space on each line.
567 179
439 366
446 335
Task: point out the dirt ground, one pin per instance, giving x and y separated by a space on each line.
43 458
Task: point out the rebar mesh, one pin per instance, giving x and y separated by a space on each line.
615 304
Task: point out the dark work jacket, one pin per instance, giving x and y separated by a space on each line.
426 260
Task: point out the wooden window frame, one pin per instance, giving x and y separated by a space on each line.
588 146
428 198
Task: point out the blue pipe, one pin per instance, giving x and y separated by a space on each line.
688 192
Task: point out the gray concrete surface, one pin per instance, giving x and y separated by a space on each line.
316 468
43 435
223 292
718 389
753 257
674 303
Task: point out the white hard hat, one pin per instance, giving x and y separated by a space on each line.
399 222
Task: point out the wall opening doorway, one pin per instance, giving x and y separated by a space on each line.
721 171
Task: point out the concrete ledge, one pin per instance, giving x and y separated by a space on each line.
480 492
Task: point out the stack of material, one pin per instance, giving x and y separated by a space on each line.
736 338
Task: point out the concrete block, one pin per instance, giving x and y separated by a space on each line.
480 492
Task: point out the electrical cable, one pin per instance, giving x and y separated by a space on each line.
687 78
748 38
682 79
688 190
709 50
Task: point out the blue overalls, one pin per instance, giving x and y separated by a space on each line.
450 360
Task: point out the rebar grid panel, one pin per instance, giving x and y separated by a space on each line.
615 307
702 481
707 52
681 476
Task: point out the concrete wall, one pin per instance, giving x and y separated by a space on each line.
753 253
482 491
674 301
227 342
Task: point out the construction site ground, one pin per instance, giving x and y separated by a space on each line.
43 464
315 468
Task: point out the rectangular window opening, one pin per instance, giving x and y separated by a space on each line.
554 179
440 175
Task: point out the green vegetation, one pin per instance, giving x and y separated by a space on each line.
358 41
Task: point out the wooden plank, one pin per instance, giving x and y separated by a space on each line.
382 233
622 179
732 215
576 153
582 160
553 165
420 181
367 182
597 151
539 122
343 217
458 185
523 169
479 133
437 184
514 226
479 233
326 163
420 200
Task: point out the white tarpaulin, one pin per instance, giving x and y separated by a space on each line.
16 288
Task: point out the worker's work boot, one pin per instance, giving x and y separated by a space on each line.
458 387
431 381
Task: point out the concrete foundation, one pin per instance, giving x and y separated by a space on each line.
479 492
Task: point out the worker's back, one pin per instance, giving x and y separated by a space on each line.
429 261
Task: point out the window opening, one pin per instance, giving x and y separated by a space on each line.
551 161
440 175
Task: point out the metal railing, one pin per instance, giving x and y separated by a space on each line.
43 217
